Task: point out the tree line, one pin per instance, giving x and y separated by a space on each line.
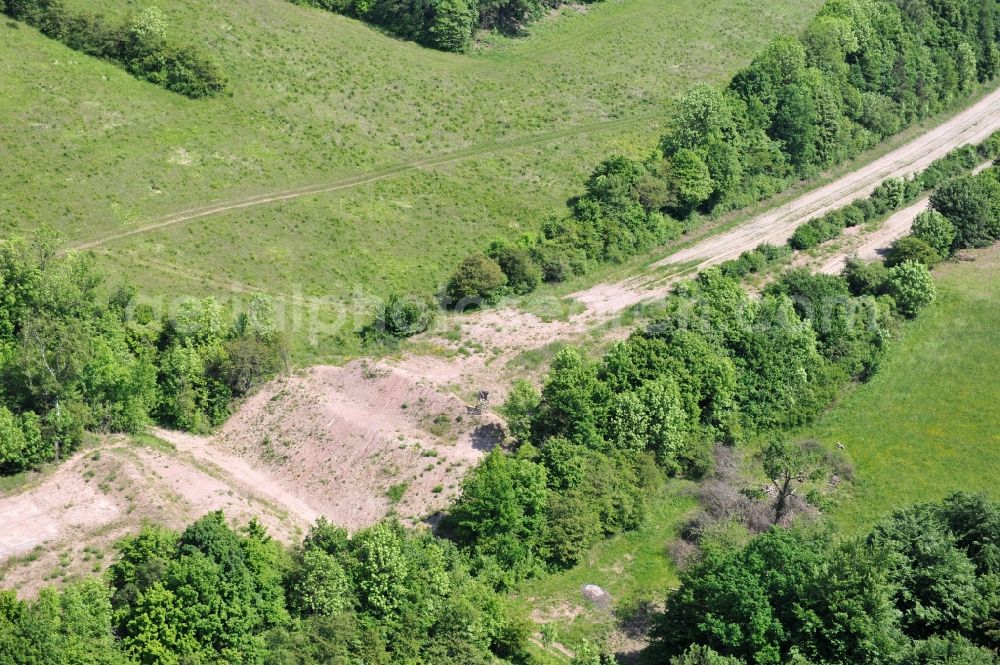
140 45
861 71
447 25
210 594
72 360
920 588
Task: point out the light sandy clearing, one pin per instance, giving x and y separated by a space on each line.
101 494
339 438
238 474
65 503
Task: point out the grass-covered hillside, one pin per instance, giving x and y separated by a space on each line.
317 98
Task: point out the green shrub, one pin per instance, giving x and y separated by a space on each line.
452 25
142 46
972 205
816 231
477 280
957 162
773 253
403 316
247 362
889 195
853 215
989 149
520 408
911 248
936 230
912 287
523 274
865 278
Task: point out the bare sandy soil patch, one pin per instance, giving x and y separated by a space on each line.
359 441
64 526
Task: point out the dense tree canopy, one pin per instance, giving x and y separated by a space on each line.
972 205
214 595
447 25
71 360
916 588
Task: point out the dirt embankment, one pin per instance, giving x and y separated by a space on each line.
357 441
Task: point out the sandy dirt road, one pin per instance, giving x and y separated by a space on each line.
239 474
971 126
874 245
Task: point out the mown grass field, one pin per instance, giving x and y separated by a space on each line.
318 98
929 422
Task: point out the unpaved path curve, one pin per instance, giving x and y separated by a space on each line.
875 244
366 178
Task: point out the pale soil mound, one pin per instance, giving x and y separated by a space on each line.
358 441
64 525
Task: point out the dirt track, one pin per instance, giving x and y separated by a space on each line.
366 178
972 125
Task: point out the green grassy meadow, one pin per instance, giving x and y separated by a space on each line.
929 422
511 130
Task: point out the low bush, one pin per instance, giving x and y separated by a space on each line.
400 317
864 278
936 230
817 231
754 261
523 274
478 280
911 248
911 286
957 162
